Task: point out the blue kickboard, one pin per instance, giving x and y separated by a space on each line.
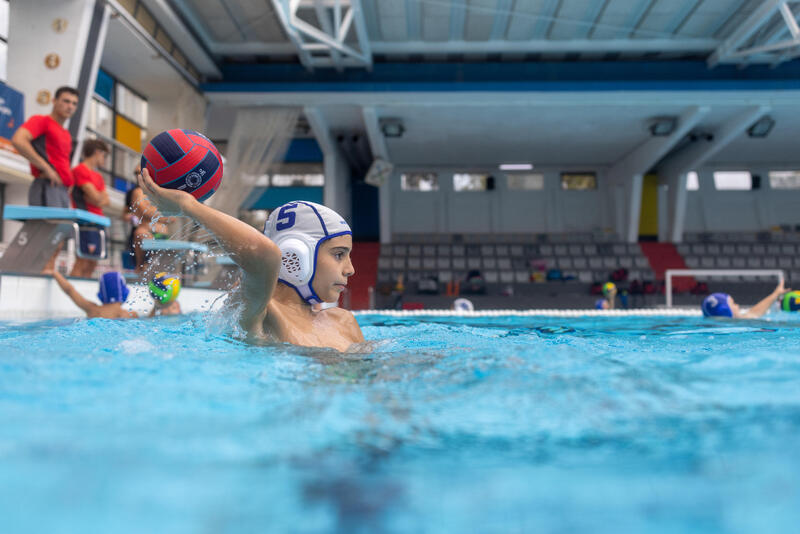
16 212
168 244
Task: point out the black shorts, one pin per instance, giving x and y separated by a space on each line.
43 193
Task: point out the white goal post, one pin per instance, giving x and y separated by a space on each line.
670 273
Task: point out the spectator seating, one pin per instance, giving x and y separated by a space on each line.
742 251
508 259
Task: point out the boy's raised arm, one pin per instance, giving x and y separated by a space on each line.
73 294
259 258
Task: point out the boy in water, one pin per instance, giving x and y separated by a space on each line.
723 305
113 292
302 259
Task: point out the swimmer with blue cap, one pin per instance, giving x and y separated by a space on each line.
293 272
723 305
113 293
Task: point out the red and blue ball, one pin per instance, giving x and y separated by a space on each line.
184 160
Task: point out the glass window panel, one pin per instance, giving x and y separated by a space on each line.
784 179
104 87
131 105
578 181
526 181
733 181
125 161
692 181
469 182
421 181
297 180
100 119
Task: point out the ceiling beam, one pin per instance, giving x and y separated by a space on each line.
377 143
413 19
467 47
458 18
637 16
545 19
744 31
682 14
593 16
698 153
501 17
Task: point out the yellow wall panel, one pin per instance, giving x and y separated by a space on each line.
128 134
648 218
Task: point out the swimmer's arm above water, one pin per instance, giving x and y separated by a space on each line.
73 294
255 253
763 306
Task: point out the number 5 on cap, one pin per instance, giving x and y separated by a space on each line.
286 217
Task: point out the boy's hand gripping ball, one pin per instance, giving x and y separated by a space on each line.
184 160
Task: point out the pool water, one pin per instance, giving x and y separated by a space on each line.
502 424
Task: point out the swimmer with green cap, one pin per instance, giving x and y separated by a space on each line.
164 288
292 272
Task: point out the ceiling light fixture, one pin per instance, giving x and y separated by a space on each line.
662 126
392 127
762 127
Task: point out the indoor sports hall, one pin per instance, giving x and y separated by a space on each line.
399 266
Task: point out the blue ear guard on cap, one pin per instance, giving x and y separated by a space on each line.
716 305
112 288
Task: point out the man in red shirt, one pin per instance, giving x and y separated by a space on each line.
47 145
89 193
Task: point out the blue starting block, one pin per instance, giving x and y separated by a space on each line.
43 231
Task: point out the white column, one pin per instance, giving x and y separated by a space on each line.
336 191
628 172
67 35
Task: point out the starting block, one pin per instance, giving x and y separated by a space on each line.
43 231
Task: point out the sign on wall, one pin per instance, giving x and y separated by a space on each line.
12 114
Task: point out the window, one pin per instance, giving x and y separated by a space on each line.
298 180
692 181
784 179
526 182
118 116
578 181
470 182
733 181
422 181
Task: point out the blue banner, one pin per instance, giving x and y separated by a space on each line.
12 114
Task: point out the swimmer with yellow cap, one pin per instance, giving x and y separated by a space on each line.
300 262
164 288
609 297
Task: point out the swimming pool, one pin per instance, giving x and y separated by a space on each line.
501 424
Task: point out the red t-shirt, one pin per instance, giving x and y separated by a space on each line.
85 175
53 143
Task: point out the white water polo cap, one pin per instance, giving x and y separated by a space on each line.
299 228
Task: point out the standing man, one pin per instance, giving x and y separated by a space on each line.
47 145
89 193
